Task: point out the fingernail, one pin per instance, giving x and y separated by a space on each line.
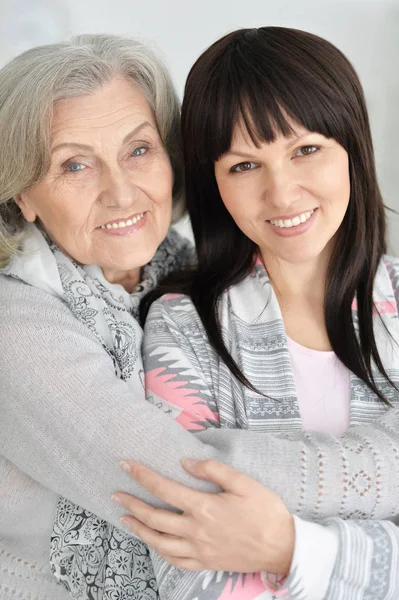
189 463
125 466
116 499
124 523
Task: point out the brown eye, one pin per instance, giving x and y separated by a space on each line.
242 167
306 150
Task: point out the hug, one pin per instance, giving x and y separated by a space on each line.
268 356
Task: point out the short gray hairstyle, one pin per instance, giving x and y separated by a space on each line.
30 86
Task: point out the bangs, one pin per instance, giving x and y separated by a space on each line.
265 90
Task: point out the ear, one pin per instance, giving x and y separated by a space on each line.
27 210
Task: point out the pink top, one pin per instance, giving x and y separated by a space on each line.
323 389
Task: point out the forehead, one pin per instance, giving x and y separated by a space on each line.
241 135
113 108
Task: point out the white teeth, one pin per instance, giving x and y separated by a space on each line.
122 224
292 222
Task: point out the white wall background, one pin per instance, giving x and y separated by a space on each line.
366 30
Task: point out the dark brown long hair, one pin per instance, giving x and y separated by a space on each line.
265 77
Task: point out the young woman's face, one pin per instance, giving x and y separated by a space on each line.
289 196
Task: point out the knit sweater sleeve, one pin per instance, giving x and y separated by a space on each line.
67 422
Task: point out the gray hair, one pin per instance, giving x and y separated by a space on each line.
34 81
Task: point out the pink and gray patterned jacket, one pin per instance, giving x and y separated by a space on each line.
186 379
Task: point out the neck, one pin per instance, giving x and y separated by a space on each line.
128 279
306 280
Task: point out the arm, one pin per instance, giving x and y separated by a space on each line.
355 560
67 422
327 475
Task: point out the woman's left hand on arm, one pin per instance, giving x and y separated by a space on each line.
245 528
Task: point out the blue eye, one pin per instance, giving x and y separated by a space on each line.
74 167
243 167
306 150
139 151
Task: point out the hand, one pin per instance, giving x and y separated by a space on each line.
246 528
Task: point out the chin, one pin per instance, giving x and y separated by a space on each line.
129 260
302 255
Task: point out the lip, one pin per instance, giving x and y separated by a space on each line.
287 217
125 231
296 229
122 219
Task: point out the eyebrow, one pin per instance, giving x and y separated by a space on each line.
88 148
290 141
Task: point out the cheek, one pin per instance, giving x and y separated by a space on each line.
71 211
64 214
332 185
242 204
160 183
230 197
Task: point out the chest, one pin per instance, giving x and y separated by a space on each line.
255 333
305 323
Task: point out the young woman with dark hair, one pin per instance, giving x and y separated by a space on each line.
290 321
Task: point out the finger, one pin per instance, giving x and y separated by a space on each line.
229 479
157 519
162 543
172 493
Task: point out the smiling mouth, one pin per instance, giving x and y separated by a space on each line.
121 224
294 222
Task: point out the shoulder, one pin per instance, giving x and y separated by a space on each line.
177 309
19 298
391 264
33 321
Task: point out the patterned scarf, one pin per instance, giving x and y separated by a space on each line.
91 558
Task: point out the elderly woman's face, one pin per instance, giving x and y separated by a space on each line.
107 198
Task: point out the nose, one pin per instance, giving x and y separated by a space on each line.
118 189
281 190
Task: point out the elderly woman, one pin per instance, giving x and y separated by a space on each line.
89 174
